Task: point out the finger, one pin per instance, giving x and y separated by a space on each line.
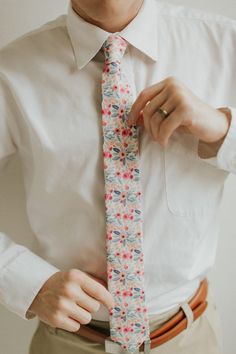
158 101
150 109
146 95
101 281
66 323
157 118
155 125
140 119
98 291
87 302
146 123
79 314
168 126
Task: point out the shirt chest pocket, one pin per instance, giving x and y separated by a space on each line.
193 187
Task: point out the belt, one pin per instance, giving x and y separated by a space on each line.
170 329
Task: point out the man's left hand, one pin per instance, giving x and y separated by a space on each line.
186 113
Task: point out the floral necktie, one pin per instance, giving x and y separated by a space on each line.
129 325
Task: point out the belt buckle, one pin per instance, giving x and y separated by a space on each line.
115 348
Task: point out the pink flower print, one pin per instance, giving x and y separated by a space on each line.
123 195
128 217
118 292
122 276
121 112
115 87
108 196
125 293
107 154
106 69
126 304
125 132
126 329
127 255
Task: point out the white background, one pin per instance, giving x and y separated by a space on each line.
18 17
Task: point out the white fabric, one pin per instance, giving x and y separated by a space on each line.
50 113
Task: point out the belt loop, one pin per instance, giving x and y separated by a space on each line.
147 346
188 313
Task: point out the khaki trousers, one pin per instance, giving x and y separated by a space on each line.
204 336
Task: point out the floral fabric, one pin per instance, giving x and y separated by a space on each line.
129 324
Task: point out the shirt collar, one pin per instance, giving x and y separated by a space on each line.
87 39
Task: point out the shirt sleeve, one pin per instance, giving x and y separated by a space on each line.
22 273
226 155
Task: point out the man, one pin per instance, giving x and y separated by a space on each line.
176 66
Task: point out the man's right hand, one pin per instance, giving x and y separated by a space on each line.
68 298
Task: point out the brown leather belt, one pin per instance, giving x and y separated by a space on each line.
168 330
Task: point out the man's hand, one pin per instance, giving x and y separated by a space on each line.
187 113
67 299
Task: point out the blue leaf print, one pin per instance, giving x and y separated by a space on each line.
137 289
116 271
116 150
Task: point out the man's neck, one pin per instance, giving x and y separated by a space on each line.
110 25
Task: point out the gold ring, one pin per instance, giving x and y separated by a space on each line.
163 112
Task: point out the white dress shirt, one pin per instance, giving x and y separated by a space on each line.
50 114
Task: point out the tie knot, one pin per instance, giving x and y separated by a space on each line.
114 48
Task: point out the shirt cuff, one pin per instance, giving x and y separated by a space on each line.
226 155
21 280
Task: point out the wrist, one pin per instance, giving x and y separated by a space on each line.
210 149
